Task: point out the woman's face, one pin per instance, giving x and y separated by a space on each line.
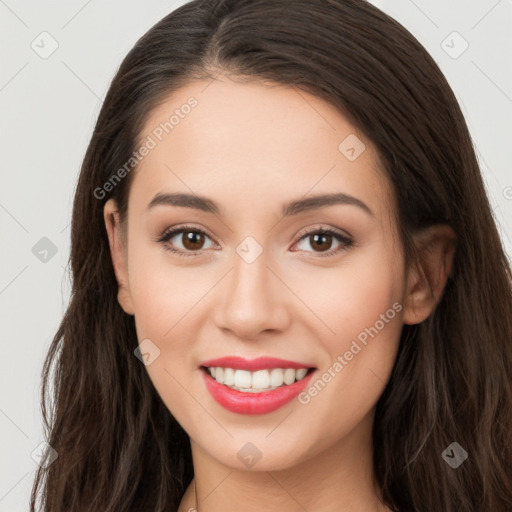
255 277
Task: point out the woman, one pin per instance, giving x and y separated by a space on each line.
334 330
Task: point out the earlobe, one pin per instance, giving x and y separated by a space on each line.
427 277
118 255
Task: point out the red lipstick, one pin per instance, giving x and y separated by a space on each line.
259 402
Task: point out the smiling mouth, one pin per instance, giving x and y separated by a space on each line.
258 381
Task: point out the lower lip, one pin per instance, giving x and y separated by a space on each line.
253 403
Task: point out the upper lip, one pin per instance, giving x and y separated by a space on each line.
252 365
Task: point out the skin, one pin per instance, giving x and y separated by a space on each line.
252 147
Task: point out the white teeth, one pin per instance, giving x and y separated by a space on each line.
254 382
229 376
260 380
289 376
242 379
276 377
300 374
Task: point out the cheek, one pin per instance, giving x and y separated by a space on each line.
163 293
166 302
359 305
348 298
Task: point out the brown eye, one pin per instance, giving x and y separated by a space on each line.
192 240
321 241
185 241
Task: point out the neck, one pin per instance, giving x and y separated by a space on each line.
341 474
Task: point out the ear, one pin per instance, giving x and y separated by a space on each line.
427 277
118 252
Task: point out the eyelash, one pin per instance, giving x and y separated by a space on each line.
164 237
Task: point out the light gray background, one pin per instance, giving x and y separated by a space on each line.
48 110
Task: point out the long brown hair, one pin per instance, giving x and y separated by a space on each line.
118 446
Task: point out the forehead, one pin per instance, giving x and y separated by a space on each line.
255 143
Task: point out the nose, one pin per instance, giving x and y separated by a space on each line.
253 300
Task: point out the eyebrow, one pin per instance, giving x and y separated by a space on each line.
289 209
